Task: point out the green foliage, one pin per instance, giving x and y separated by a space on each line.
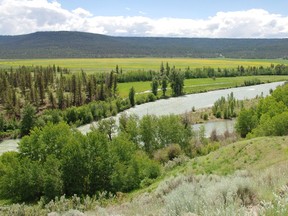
246 122
168 153
176 82
225 108
152 133
55 159
27 120
129 126
74 168
147 128
164 86
131 166
154 86
52 179
269 118
49 140
2 123
171 130
21 178
46 87
250 82
99 161
107 126
132 96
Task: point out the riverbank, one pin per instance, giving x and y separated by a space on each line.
180 105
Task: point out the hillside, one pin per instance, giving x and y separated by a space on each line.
87 45
245 178
253 171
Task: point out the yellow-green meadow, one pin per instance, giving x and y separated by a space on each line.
135 64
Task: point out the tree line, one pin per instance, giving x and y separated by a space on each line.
204 72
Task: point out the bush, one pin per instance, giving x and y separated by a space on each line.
207 195
140 99
168 153
151 97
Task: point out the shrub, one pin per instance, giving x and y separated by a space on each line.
208 195
173 151
151 97
168 153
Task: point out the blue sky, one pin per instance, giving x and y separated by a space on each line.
198 9
170 18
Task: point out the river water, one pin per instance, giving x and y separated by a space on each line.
219 126
180 105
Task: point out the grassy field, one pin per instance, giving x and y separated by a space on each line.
198 85
135 64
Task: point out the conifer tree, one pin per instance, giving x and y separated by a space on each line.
132 96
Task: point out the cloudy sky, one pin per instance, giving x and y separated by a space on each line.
167 18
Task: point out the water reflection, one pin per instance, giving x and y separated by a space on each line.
219 126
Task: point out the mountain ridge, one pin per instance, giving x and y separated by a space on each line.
67 44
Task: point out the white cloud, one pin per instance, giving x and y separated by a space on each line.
82 12
26 16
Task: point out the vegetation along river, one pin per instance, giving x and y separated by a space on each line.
180 105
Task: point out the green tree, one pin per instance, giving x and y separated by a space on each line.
52 178
164 85
21 179
99 160
177 82
28 119
172 130
132 96
154 86
46 141
148 133
162 69
74 167
74 89
129 126
2 122
246 122
107 126
41 87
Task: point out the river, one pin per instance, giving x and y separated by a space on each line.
180 105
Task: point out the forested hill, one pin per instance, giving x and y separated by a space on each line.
87 45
